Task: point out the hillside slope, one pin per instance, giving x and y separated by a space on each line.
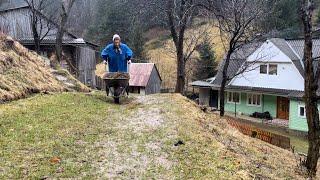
23 72
160 50
74 135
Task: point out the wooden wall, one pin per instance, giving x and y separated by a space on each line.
17 23
86 63
154 84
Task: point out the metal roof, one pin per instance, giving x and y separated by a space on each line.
140 73
285 48
6 5
234 66
49 40
270 91
298 46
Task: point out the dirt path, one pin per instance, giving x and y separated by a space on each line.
134 147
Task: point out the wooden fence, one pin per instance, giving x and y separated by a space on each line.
275 139
100 84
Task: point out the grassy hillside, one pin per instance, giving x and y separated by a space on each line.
23 72
74 135
161 51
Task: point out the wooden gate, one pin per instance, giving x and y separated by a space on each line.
100 84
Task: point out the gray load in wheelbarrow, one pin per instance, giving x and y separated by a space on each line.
117 85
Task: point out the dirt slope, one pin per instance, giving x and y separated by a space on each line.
23 72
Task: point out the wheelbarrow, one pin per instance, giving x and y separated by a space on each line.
117 85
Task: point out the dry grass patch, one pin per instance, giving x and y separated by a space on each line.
23 72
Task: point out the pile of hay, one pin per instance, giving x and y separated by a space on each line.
23 72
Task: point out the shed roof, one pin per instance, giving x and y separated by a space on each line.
49 40
140 73
6 5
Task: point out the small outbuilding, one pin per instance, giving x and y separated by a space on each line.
144 78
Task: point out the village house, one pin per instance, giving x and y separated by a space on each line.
79 55
273 81
144 78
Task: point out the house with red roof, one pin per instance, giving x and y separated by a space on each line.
145 78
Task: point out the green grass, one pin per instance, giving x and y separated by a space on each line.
96 139
42 127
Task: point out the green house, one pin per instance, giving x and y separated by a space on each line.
263 77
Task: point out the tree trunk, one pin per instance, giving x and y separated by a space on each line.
36 35
224 83
181 74
181 66
311 108
65 10
311 87
59 39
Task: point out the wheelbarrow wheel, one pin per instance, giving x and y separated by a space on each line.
117 100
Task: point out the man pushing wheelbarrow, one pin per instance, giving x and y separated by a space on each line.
118 57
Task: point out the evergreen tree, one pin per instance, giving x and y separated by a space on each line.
206 65
114 17
284 20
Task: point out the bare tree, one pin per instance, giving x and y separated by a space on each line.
237 21
65 9
311 87
40 24
180 14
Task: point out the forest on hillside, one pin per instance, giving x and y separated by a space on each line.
98 20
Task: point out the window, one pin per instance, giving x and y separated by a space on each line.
233 97
263 69
302 111
254 99
273 69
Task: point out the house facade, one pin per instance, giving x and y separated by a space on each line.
79 55
268 78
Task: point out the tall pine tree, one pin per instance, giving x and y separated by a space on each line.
206 65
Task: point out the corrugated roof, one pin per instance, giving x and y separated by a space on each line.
298 46
234 66
6 5
285 48
140 73
51 40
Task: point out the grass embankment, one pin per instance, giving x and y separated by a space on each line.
74 135
23 72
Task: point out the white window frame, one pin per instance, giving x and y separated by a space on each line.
254 94
268 69
231 102
302 106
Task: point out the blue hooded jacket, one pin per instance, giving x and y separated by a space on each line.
117 60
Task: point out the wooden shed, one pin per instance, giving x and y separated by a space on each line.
79 56
144 78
